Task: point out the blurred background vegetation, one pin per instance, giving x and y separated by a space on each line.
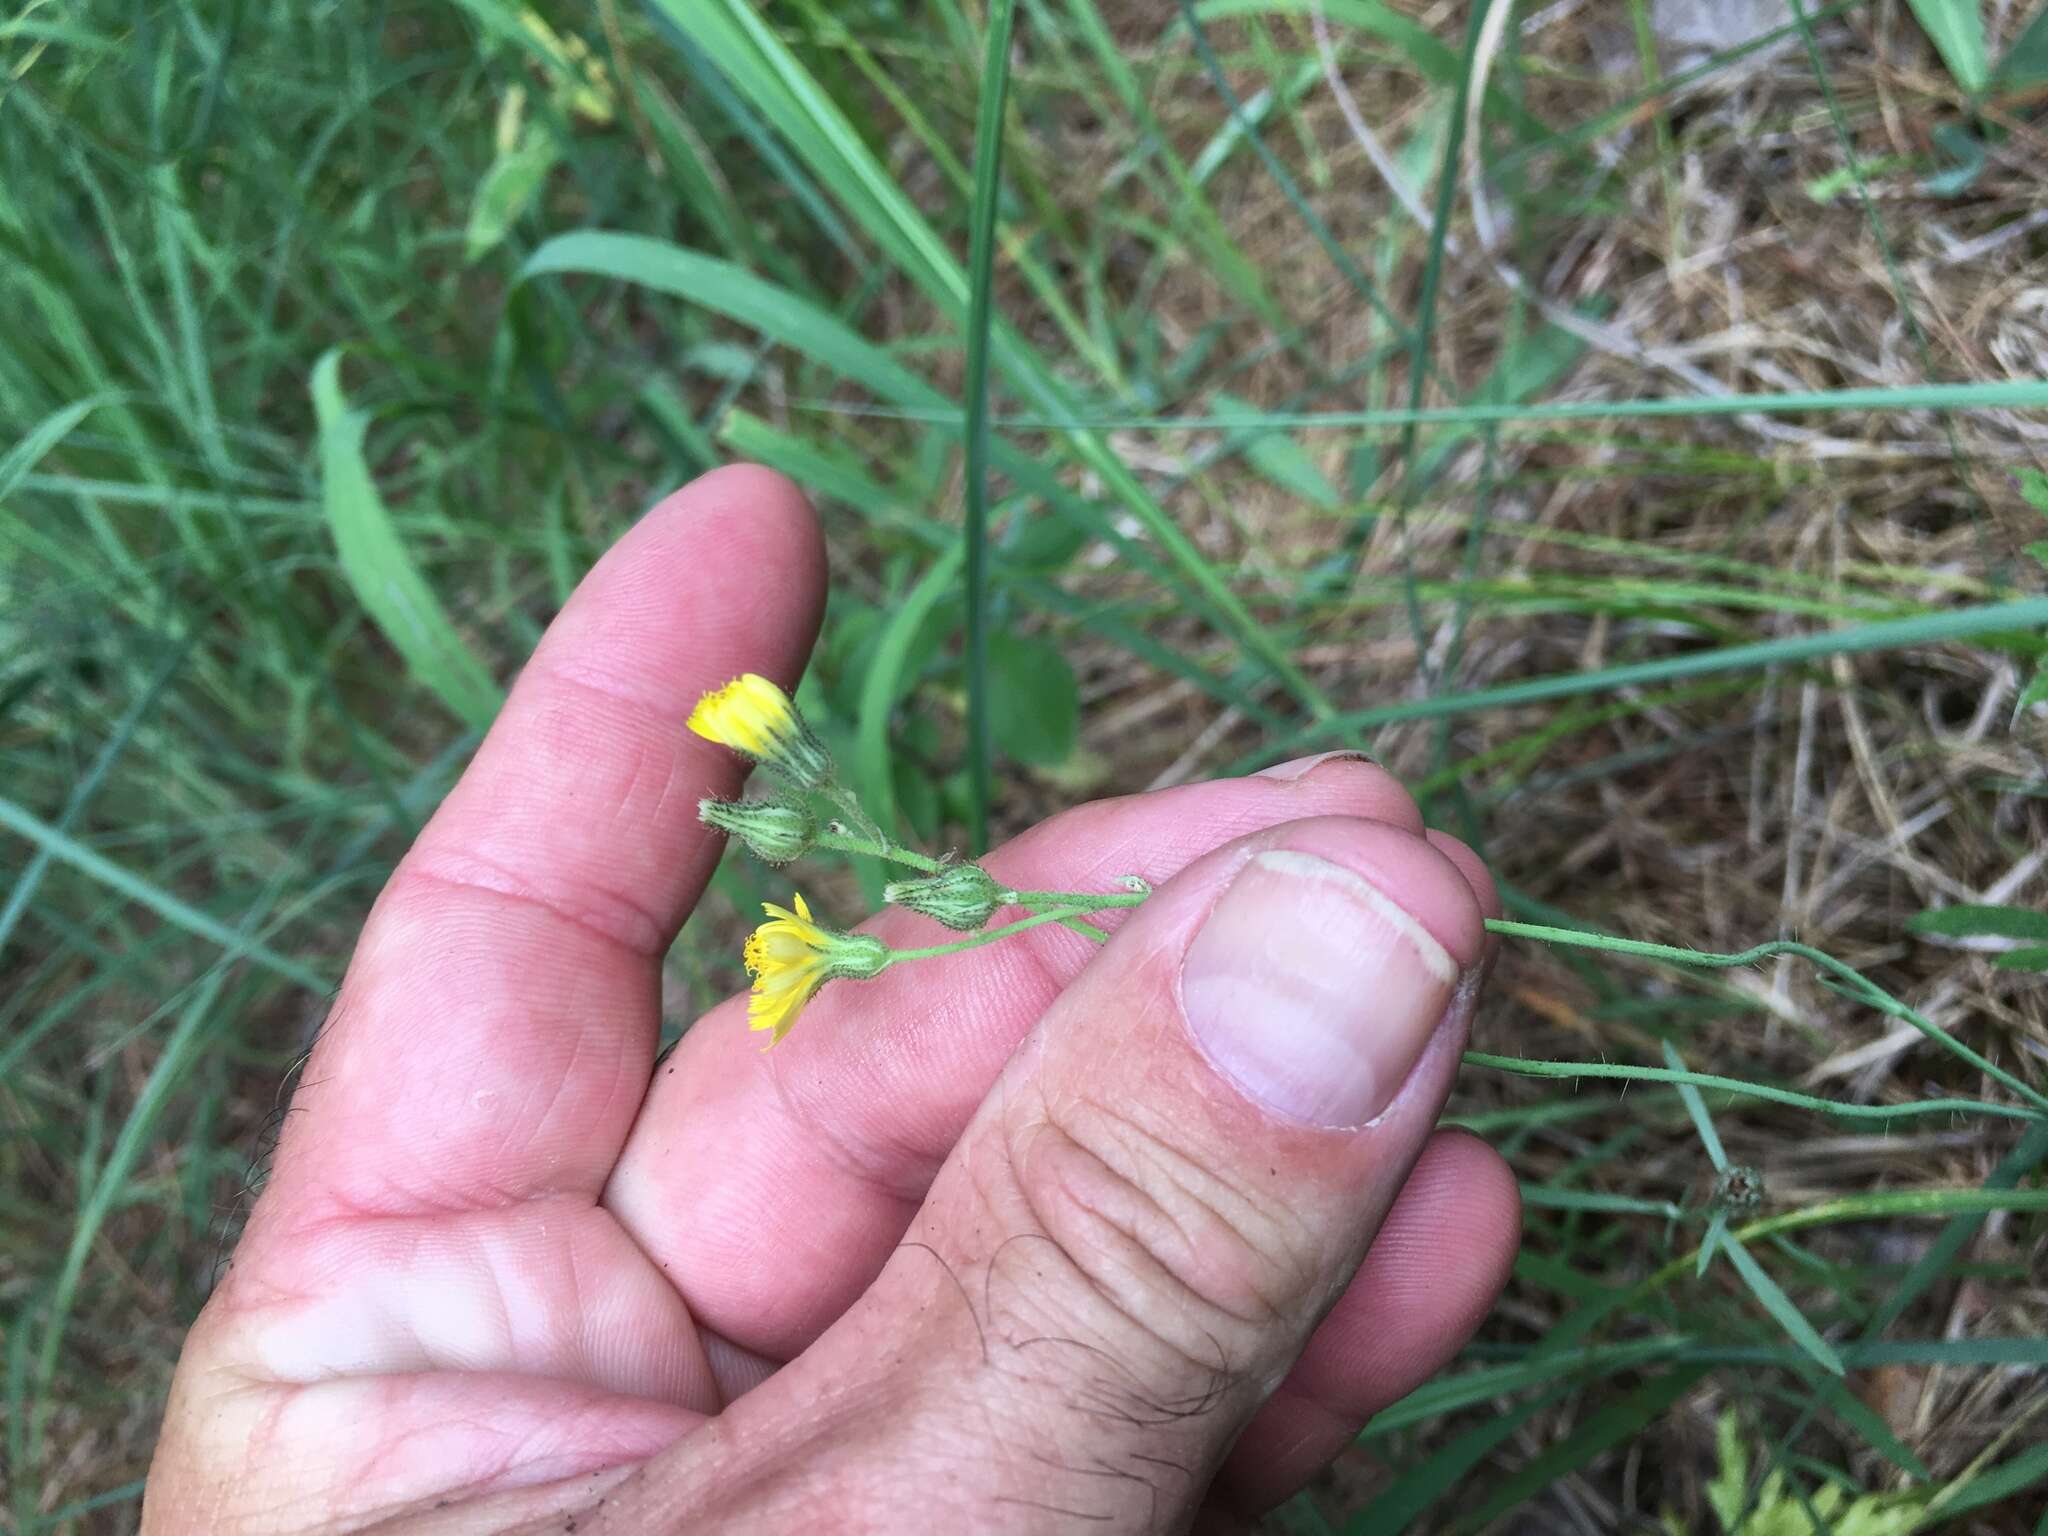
1623 416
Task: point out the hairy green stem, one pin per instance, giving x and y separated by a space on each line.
1853 980
986 936
1082 899
877 848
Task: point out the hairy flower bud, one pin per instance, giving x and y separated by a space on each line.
961 896
775 831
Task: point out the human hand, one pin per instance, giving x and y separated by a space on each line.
1033 1237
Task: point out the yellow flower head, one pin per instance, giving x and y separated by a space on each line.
753 716
790 956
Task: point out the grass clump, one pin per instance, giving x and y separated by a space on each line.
1638 452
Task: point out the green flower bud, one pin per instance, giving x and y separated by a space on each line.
775 831
961 896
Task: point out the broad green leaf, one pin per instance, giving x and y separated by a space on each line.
1957 30
377 565
1996 922
1034 702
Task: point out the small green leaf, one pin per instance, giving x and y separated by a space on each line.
1997 922
1034 702
1957 30
508 189
374 559
2033 958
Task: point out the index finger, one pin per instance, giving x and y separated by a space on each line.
495 1032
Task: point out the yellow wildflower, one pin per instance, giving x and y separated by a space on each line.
753 716
790 956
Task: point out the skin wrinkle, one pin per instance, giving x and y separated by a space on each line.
640 934
1181 1173
1133 1319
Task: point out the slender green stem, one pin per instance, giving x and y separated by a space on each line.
986 936
1081 899
1526 1067
1853 980
876 848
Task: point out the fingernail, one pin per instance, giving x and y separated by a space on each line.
1302 767
1312 990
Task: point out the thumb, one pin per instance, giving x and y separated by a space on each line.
1170 1184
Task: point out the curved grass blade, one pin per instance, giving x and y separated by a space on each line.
38 441
374 559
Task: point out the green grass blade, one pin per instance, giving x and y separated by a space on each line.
762 66
68 850
38 441
374 559
1696 1107
988 169
1957 30
1885 635
2019 1163
1599 1431
88 785
1991 395
2007 1480
1779 1305
873 771
727 288
1411 1494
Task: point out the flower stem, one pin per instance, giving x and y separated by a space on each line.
876 848
987 935
1081 899
1852 981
